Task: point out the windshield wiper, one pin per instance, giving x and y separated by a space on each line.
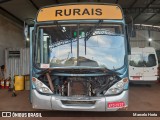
93 29
91 32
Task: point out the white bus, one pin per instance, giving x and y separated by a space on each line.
143 65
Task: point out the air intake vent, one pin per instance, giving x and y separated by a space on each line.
15 54
67 102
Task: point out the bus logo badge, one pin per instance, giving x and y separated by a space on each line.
6 114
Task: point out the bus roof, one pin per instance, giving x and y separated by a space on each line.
80 11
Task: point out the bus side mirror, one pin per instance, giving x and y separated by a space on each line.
27 23
26 32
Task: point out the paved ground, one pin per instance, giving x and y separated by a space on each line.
144 98
141 98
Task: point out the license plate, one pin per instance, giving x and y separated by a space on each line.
136 78
116 104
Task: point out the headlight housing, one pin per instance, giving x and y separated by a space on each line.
41 87
117 87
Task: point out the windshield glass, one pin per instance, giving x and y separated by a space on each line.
143 60
81 45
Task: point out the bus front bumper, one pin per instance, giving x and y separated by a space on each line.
53 102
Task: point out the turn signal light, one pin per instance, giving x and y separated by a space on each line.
125 80
33 79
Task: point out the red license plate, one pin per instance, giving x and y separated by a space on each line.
136 78
116 104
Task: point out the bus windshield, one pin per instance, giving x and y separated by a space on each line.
81 45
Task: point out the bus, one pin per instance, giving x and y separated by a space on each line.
143 64
79 58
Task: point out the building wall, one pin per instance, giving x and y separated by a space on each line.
141 39
11 36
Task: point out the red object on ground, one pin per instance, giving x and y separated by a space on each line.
7 84
2 84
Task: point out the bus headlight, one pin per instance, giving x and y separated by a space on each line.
41 87
116 88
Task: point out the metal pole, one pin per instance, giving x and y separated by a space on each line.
149 35
41 44
77 44
149 44
71 39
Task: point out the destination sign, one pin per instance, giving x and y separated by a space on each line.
80 12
